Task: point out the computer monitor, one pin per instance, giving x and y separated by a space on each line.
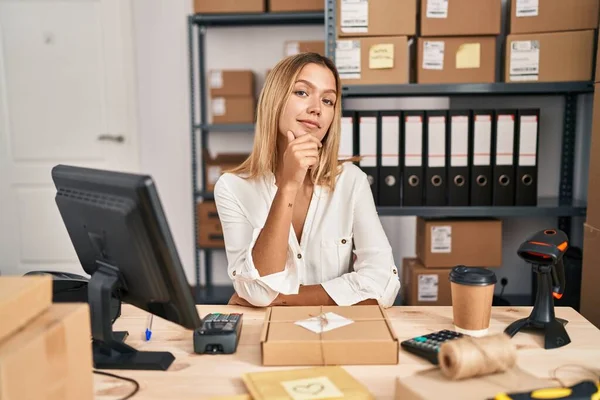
116 224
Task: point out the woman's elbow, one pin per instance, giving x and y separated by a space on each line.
257 295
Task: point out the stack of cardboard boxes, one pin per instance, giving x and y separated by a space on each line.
458 41
232 96
441 245
551 40
45 348
373 41
590 278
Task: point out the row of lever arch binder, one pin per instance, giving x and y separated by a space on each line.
446 157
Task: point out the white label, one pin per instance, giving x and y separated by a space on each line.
428 287
482 143
528 140
441 239
367 142
216 79
213 173
459 141
528 8
437 8
347 58
324 322
433 55
390 141
436 141
346 138
319 387
218 106
413 142
505 140
525 60
292 48
354 16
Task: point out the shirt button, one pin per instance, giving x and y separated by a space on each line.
233 273
299 255
395 271
343 241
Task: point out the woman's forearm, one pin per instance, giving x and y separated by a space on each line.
271 247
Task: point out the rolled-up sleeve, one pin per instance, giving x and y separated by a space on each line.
375 275
240 237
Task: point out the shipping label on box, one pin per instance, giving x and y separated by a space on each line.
428 287
525 60
433 55
347 58
437 9
441 239
354 16
527 8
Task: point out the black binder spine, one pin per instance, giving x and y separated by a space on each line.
527 157
368 133
412 141
504 144
389 160
435 166
459 134
480 155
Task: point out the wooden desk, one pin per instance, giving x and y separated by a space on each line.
195 376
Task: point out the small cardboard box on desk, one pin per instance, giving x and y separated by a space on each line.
328 335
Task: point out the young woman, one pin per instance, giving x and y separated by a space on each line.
292 213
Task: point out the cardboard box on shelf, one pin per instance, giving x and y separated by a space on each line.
549 57
425 286
328 335
22 298
593 197
373 60
590 274
296 5
210 235
460 17
232 109
433 384
376 18
215 166
228 6
553 15
224 82
50 358
446 243
456 59
293 47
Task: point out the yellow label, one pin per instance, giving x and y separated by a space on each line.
381 56
319 387
468 56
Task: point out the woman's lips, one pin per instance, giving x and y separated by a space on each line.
309 124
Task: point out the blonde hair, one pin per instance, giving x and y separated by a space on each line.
278 87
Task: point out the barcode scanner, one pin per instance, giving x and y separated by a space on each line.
544 251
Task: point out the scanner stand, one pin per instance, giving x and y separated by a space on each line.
109 351
542 316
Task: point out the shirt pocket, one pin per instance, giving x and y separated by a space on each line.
336 257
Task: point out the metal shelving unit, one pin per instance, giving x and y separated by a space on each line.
563 206
197 27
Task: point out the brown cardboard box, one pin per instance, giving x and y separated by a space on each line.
51 358
456 60
450 242
549 57
228 6
377 18
215 166
369 340
373 60
231 83
293 47
210 231
461 17
433 384
553 16
296 5
593 199
233 109
22 298
597 74
425 286
590 274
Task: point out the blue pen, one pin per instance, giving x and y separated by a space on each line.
149 328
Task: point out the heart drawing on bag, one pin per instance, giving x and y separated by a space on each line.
312 388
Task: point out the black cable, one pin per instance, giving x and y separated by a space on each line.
130 395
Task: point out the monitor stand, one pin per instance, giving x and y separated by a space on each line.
109 351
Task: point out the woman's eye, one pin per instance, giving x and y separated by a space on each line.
300 93
328 102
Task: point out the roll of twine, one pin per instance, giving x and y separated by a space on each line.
469 357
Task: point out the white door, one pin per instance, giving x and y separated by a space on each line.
66 97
